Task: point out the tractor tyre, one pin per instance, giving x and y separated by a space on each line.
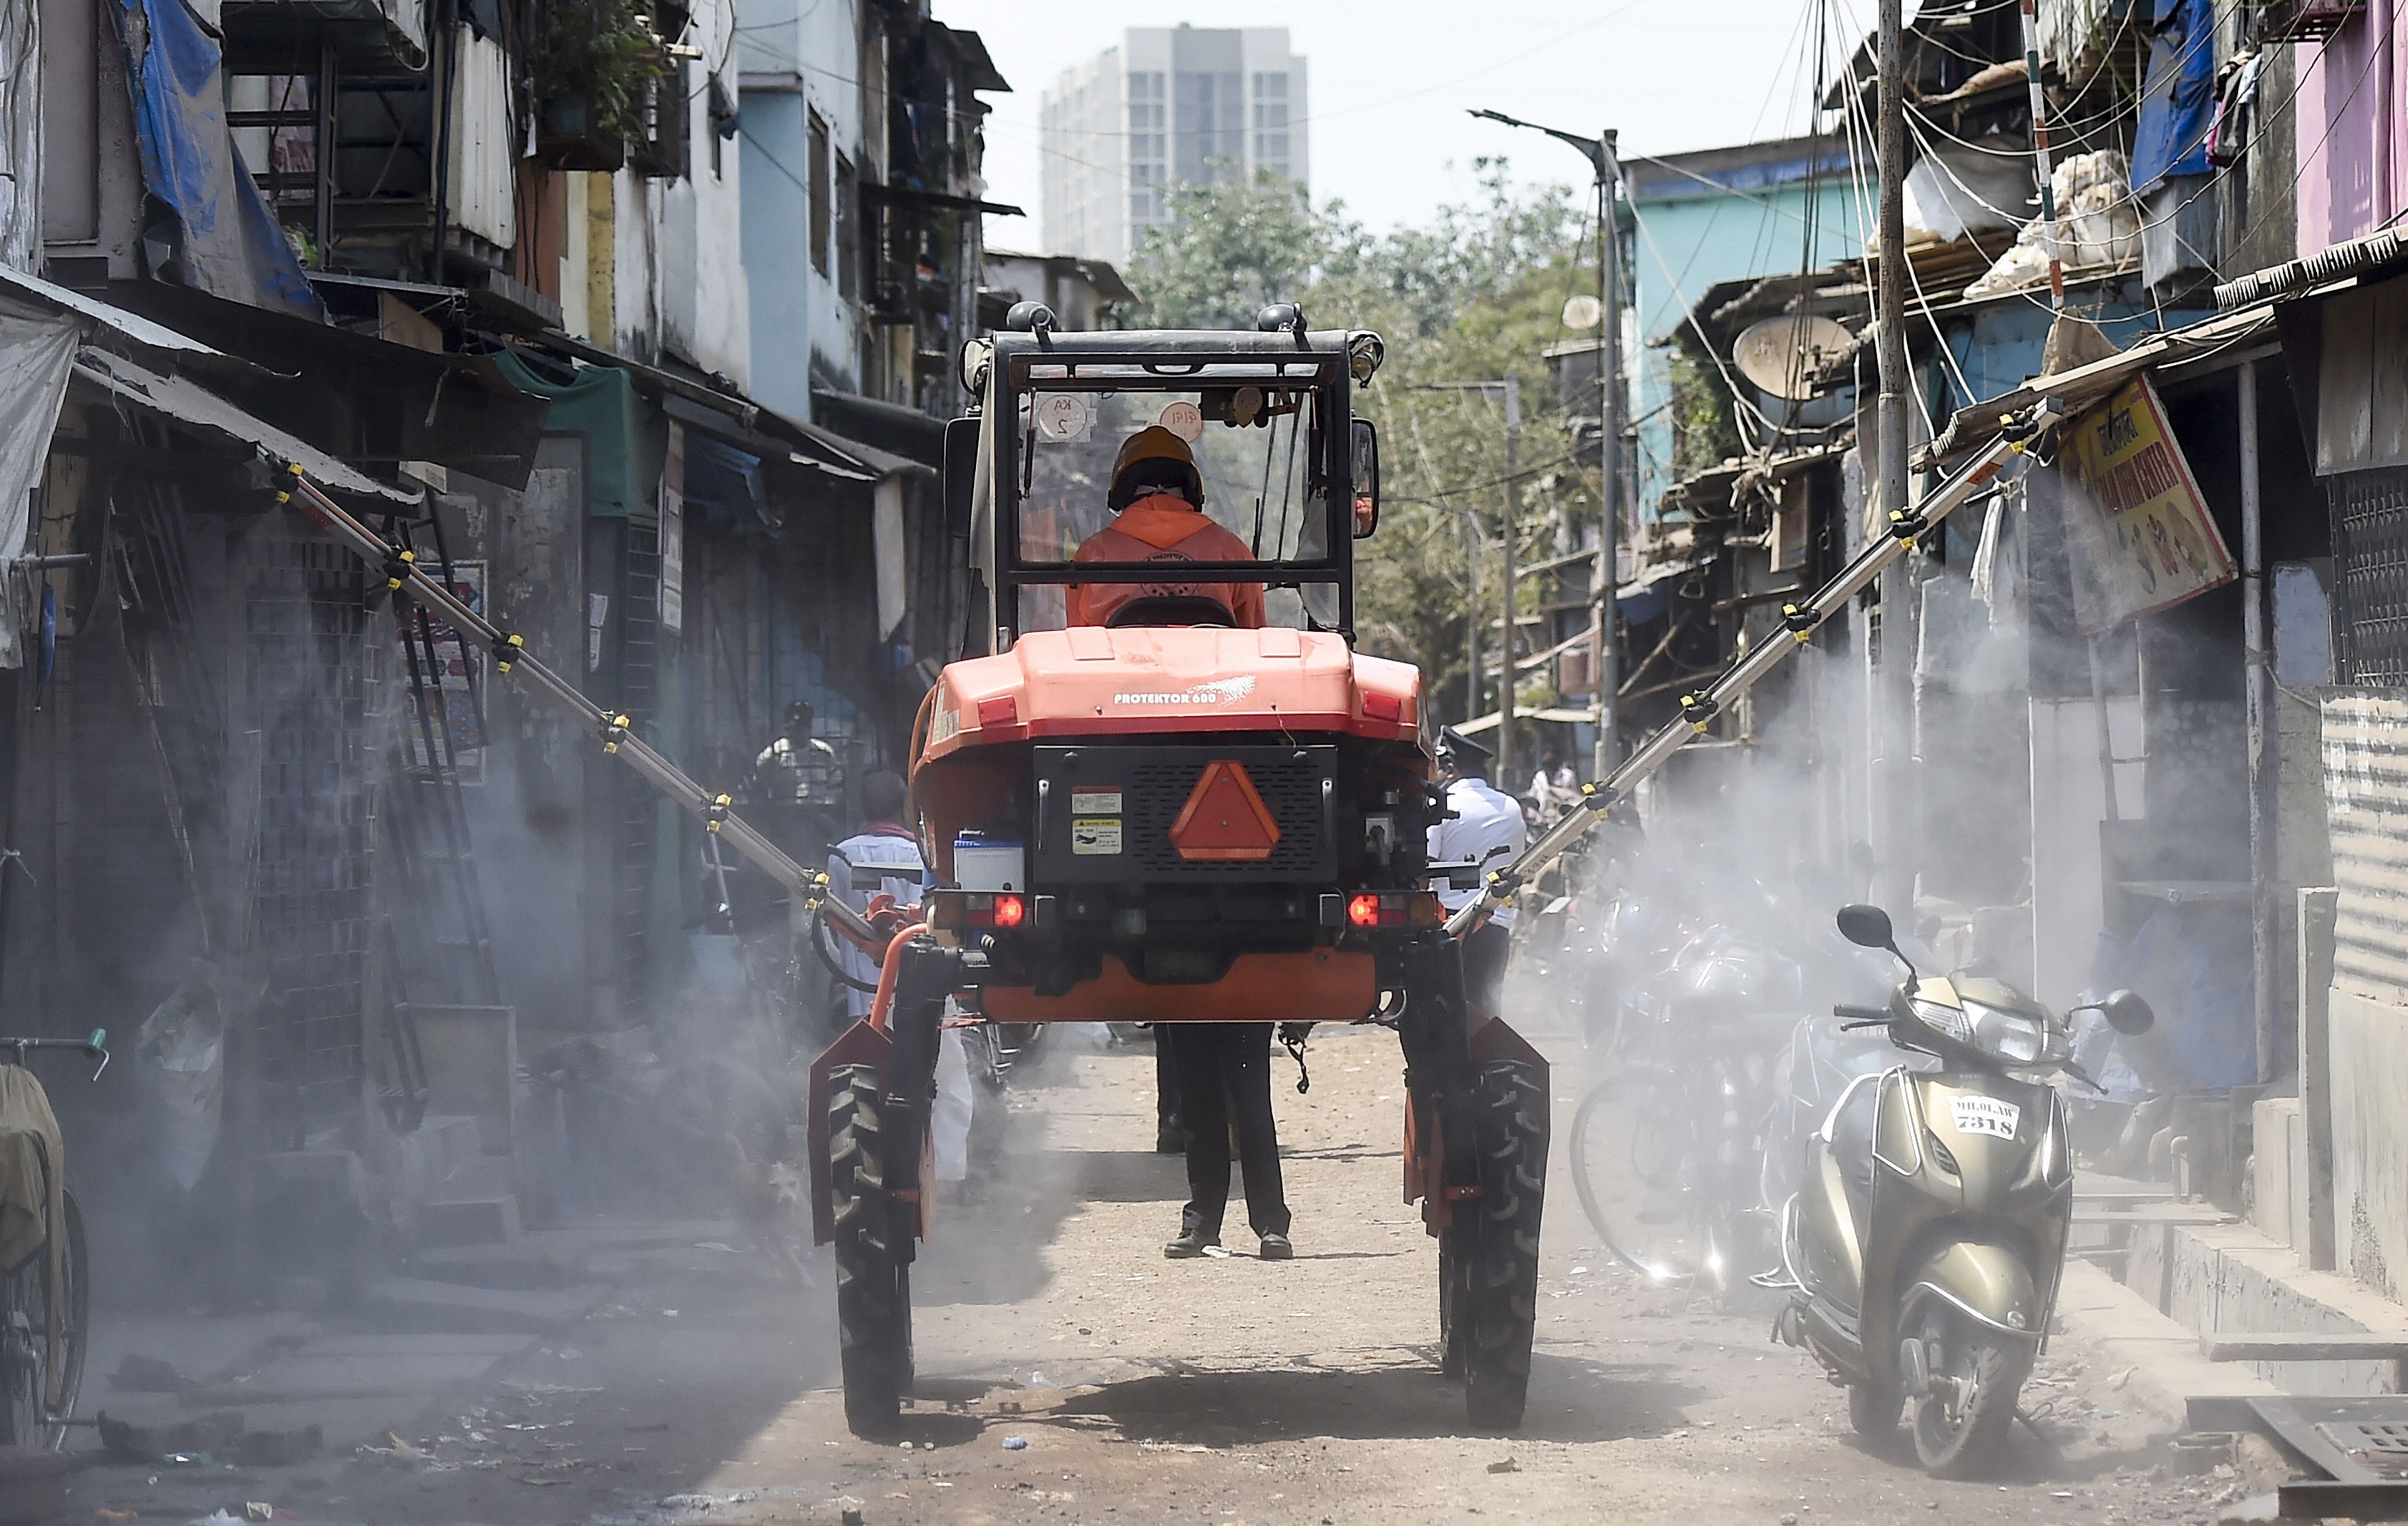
1502 1294
873 1290
1453 1300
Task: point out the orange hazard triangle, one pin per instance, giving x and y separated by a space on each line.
1224 818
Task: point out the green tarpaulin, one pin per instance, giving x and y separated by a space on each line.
628 438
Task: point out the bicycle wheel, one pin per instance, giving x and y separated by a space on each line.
31 1364
1633 1159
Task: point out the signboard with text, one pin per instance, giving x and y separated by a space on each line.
2138 532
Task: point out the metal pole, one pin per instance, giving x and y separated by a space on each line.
1471 617
1506 649
1609 485
1893 815
2265 913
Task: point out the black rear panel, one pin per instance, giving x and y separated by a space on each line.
1120 832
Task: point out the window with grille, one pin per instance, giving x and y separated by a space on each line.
2370 513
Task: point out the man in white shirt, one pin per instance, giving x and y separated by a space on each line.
884 858
1486 830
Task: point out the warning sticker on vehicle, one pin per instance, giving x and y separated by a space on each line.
1095 802
1984 1115
1096 834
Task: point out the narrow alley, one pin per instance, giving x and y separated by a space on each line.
675 1373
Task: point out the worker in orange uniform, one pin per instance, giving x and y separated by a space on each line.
1159 498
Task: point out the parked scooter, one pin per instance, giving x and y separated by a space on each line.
1925 1246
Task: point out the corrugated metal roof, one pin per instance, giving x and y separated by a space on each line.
2366 814
130 326
188 403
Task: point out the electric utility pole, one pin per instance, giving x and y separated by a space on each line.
1508 648
1606 165
1894 816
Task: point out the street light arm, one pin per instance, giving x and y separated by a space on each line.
1593 147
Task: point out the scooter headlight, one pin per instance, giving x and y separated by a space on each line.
2012 1036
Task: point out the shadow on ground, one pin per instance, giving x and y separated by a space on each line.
1571 1400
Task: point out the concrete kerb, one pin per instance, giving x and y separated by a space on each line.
2156 1360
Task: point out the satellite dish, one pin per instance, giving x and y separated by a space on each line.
1583 312
1781 354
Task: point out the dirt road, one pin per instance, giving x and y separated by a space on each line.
1070 1373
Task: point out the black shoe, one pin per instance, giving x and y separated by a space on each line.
1276 1248
1190 1244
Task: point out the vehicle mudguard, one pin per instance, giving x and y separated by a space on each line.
863 1044
1984 1280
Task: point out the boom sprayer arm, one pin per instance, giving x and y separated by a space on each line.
404 577
1698 709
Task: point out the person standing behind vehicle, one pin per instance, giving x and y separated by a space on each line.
801 778
1486 829
884 858
1225 1081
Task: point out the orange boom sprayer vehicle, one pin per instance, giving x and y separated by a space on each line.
1161 786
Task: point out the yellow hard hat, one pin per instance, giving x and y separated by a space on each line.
1154 443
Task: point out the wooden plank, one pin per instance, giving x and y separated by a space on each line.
2349 1346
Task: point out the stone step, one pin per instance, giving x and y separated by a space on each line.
453 1222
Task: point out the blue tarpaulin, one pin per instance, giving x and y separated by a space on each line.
224 241
722 486
2178 102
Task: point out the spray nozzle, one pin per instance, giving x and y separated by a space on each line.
615 732
1799 623
1905 524
715 813
1699 711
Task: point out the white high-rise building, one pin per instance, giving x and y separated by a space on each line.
1170 103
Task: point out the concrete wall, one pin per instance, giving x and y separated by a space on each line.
2231 1279
2352 134
2068 800
1692 236
2370 1122
799 60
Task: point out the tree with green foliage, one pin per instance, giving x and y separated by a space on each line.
1229 248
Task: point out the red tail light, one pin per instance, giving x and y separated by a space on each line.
1407 909
1004 710
1009 911
1383 707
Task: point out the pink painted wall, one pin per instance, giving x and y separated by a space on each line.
2353 128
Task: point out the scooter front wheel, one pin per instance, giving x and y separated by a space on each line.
1962 1418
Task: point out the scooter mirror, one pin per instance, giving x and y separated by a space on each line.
2127 1014
1867 926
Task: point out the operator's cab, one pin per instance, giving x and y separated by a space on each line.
1201 799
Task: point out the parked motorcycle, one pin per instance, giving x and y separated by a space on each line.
1923 1249
1667 1145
